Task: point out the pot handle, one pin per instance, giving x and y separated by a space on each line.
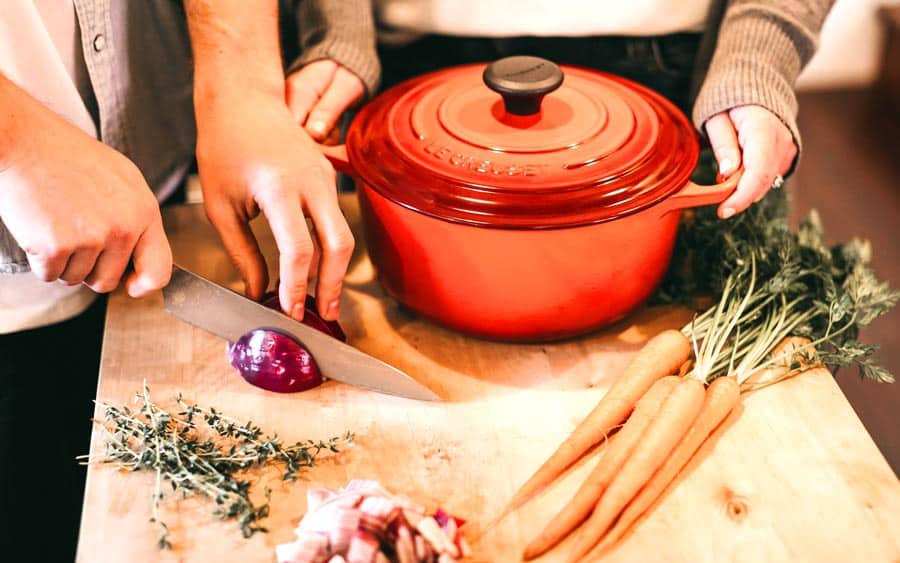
337 156
696 195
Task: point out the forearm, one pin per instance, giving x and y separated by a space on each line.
14 103
761 49
12 258
236 50
340 30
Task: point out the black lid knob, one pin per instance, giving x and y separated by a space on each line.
523 82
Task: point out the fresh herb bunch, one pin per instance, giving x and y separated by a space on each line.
772 283
708 250
203 452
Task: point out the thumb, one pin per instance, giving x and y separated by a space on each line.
724 142
152 262
345 90
306 86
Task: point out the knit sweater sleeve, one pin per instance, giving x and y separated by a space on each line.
341 30
762 47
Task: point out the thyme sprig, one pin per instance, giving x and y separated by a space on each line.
201 451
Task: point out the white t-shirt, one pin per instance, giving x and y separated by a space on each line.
52 70
496 18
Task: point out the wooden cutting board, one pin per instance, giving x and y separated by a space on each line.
793 477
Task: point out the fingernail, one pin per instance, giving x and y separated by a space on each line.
728 212
726 166
333 309
316 127
297 312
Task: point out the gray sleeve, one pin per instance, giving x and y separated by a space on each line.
12 258
341 30
762 46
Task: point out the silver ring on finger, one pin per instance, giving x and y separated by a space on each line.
777 182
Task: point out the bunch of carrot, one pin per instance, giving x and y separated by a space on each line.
776 291
666 420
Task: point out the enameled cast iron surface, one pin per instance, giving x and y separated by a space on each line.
523 227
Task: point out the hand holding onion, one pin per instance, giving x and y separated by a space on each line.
753 137
253 158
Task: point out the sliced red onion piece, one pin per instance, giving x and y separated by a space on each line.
442 517
365 522
275 361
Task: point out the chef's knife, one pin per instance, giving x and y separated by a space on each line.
223 312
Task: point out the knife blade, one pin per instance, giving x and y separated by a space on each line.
225 313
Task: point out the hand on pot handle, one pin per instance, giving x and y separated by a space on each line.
319 93
754 138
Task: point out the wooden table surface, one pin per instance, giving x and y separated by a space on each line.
793 477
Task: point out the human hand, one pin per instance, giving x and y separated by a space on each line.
754 137
319 93
79 209
252 157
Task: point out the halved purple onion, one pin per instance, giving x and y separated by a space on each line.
277 361
273 360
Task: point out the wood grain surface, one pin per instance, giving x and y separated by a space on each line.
793 477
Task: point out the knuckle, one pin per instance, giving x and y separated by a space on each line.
298 254
53 249
121 235
272 197
88 238
341 245
40 271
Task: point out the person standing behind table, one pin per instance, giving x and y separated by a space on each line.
97 124
732 65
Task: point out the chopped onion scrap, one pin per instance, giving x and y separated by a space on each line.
363 522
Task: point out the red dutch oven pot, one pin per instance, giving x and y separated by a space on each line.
540 213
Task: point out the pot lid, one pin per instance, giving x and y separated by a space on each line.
522 143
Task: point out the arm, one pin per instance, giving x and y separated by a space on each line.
338 64
79 209
747 104
252 157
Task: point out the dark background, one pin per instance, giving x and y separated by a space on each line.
850 173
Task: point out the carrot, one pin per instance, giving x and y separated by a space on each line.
721 398
675 418
580 506
661 355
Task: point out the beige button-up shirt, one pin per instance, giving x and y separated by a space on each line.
121 72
